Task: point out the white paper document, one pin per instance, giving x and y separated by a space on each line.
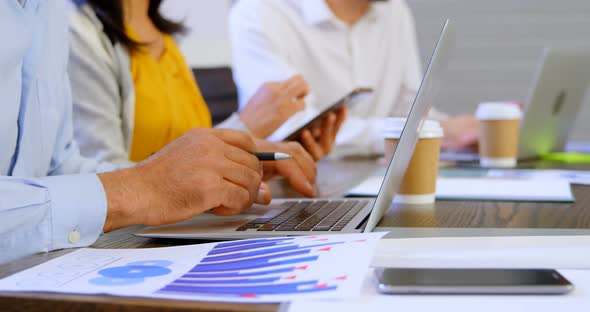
257 270
555 190
573 176
500 189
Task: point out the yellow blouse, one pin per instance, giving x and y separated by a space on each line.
168 101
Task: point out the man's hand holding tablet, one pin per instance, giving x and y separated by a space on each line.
319 134
319 140
355 96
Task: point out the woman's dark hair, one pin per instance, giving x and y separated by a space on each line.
110 13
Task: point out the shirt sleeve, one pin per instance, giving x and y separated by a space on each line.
68 207
97 95
49 213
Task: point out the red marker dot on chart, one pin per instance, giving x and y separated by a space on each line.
325 249
304 267
292 277
321 286
323 239
341 278
360 241
248 295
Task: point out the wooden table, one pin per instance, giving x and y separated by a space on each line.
470 218
444 218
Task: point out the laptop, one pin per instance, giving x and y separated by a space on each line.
293 217
554 100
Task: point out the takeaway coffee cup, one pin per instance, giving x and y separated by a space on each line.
499 133
419 183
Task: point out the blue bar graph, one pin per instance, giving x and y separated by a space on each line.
239 255
243 247
237 274
255 267
249 264
259 290
185 280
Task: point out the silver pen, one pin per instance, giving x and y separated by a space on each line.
272 156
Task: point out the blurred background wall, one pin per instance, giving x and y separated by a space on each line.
207 43
498 48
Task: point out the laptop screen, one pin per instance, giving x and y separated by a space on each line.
425 96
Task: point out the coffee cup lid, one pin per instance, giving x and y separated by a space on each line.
498 111
430 129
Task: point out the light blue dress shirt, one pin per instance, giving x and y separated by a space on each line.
49 198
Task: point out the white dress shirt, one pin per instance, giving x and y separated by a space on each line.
273 40
42 207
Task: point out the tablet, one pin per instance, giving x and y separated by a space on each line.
355 96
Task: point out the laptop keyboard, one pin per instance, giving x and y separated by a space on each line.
320 215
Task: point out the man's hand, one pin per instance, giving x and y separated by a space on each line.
206 169
273 104
460 132
300 170
319 141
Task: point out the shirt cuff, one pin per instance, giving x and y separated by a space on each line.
78 210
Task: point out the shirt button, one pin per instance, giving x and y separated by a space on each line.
74 237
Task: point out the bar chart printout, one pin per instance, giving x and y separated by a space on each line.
256 270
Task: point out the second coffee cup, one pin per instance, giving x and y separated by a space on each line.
499 133
419 183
